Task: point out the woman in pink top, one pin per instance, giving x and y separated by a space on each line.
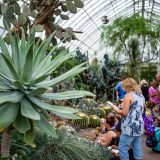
154 93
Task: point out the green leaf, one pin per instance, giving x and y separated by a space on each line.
39 28
4 68
28 111
41 51
22 19
12 97
44 126
6 23
52 25
4 48
47 67
58 34
4 85
7 38
34 14
13 20
69 38
38 91
66 95
57 109
57 12
17 8
16 55
46 113
3 8
32 5
22 124
66 115
65 34
38 80
64 8
71 6
29 136
7 78
54 41
79 3
10 11
28 66
8 113
19 85
11 67
64 17
69 74
26 11
23 48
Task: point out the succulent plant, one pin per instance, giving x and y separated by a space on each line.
25 75
94 121
83 122
88 106
39 14
108 109
100 112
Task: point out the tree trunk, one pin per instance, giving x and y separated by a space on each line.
5 144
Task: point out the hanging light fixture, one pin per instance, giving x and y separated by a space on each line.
105 20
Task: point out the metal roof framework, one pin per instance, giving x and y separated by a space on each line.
88 20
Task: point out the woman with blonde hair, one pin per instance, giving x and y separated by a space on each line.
132 124
145 89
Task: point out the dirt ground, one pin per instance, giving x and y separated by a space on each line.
148 154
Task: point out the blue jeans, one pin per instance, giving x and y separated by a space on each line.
125 143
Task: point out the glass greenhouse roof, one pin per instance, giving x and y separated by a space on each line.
88 20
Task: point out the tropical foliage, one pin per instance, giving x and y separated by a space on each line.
111 74
134 37
148 72
24 79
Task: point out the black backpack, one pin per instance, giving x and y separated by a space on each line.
152 141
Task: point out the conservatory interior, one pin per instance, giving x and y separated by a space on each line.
79 79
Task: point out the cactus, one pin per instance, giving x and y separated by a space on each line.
100 112
10 11
94 121
88 106
71 7
22 19
108 109
39 12
83 122
79 3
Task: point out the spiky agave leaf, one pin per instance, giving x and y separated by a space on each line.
25 73
64 147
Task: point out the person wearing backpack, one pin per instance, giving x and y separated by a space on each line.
132 127
157 136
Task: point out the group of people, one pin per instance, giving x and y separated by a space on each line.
152 97
125 126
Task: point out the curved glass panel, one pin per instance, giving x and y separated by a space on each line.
88 20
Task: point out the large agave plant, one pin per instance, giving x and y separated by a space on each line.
24 79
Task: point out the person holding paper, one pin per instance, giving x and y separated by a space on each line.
132 124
